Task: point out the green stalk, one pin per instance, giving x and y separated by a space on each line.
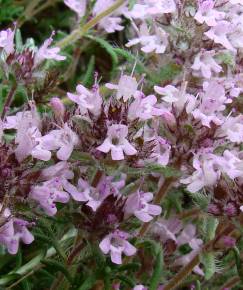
78 33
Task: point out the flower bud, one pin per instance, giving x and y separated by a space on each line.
57 107
229 242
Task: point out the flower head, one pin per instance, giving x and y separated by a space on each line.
116 244
117 142
44 52
126 88
64 140
7 40
138 204
78 6
13 231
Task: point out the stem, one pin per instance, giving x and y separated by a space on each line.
185 271
74 252
182 274
8 101
97 178
78 33
31 11
231 283
159 196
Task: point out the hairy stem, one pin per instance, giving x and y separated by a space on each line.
181 275
8 101
231 283
185 271
78 33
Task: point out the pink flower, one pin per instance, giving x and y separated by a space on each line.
167 229
144 108
161 154
236 2
236 37
44 52
140 287
64 140
213 101
233 129
56 188
150 8
48 194
94 196
23 121
90 194
78 6
116 243
206 173
219 34
87 100
156 42
157 7
14 231
117 143
31 144
207 14
187 236
138 204
110 23
7 40
126 88
177 97
205 63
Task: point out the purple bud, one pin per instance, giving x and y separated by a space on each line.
213 209
57 107
230 209
229 242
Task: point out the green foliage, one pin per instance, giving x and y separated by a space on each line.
226 58
200 199
166 171
9 10
158 269
209 226
209 262
108 48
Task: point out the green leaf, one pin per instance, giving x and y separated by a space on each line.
168 72
198 285
25 285
140 67
82 157
209 227
200 199
56 266
209 262
133 267
226 58
238 262
127 280
165 170
158 269
89 75
18 40
88 283
109 49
